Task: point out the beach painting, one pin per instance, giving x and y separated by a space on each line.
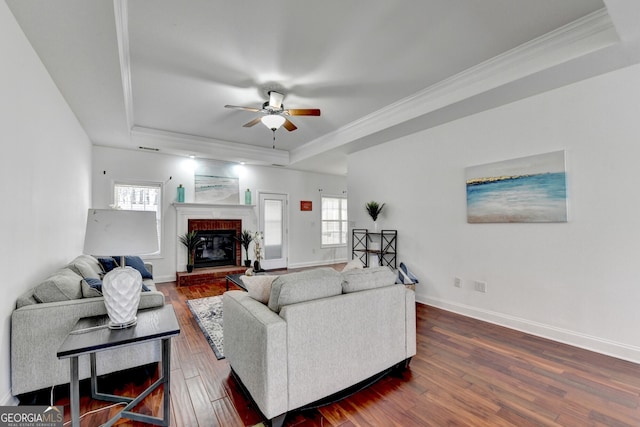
216 182
526 189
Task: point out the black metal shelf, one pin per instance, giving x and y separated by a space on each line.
381 243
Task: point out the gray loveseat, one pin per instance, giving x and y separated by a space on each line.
39 328
320 333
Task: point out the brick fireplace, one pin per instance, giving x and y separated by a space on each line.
218 237
209 217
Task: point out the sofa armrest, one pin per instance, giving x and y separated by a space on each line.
38 330
410 321
255 345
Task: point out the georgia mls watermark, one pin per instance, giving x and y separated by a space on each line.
31 416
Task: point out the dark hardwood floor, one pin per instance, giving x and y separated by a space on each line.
466 373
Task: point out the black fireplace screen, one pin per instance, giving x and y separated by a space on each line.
217 248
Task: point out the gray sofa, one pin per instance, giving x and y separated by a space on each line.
39 328
320 332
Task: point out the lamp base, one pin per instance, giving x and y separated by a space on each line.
121 290
113 325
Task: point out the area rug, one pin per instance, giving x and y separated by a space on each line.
208 314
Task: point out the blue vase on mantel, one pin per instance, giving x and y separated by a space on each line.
247 197
180 194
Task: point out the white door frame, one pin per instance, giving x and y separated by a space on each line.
283 261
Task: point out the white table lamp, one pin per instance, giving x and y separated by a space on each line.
109 232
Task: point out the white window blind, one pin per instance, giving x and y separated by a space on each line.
140 197
273 232
334 221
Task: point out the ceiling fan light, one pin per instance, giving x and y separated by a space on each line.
273 121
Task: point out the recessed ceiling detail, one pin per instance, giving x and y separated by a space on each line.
161 71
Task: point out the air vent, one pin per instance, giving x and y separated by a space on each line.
277 165
148 148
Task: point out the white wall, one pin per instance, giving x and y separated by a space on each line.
577 282
112 164
45 175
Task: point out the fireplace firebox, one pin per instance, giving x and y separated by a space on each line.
216 248
218 245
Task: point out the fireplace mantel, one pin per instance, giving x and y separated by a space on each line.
184 206
187 211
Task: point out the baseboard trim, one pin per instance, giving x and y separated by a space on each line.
9 400
565 336
165 278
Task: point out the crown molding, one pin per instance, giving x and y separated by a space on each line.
199 146
581 37
625 14
120 9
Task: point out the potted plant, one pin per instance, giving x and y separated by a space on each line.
191 241
257 251
374 209
245 238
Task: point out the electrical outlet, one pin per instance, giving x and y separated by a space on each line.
457 282
480 286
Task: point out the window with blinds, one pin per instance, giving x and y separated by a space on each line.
334 221
140 197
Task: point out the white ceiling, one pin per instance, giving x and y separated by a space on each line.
157 73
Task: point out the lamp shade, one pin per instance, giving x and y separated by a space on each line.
273 121
111 231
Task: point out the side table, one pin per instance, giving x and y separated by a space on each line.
235 279
91 335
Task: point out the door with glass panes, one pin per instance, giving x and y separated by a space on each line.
273 225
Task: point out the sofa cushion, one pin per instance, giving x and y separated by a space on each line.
367 278
148 285
353 265
304 286
82 268
137 263
93 263
26 299
259 287
91 287
63 285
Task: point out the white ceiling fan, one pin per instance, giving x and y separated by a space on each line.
273 113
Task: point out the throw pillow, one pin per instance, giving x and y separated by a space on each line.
403 279
137 263
259 287
367 278
91 287
93 263
82 268
353 265
108 263
63 285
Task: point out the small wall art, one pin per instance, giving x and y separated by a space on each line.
526 189
216 182
306 205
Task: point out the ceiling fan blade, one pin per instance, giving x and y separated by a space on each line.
252 122
275 99
303 112
289 126
236 107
